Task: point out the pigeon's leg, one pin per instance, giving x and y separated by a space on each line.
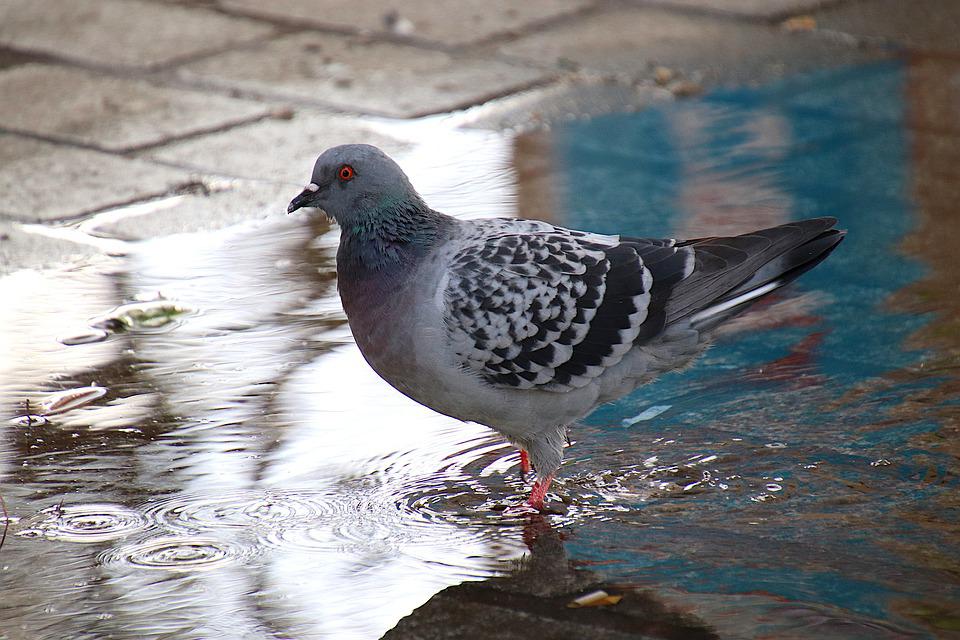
539 492
524 463
534 505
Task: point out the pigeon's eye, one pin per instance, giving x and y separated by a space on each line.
345 172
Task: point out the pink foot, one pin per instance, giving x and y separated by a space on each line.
539 492
533 504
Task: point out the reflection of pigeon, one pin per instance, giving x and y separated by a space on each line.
523 326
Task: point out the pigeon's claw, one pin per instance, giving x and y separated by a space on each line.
520 510
535 504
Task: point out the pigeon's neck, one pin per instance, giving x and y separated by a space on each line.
387 242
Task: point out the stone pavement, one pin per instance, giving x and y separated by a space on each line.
104 103
225 103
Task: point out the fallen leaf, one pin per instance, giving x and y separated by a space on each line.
799 23
597 598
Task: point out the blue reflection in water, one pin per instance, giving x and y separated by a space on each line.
628 173
834 143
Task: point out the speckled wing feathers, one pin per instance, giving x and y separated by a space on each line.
529 305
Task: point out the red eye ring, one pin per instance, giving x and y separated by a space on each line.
345 173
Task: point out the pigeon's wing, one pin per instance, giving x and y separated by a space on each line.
528 305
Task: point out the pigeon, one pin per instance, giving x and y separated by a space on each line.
524 326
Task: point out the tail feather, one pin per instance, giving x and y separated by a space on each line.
773 258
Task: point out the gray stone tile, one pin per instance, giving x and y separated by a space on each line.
127 33
761 9
928 25
22 250
448 22
630 41
354 74
43 181
110 113
294 144
194 212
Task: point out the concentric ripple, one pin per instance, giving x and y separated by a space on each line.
239 509
177 553
85 523
439 527
344 519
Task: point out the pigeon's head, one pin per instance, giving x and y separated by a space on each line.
354 180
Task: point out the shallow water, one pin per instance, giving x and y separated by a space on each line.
236 470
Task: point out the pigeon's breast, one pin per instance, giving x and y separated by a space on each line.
393 329
375 311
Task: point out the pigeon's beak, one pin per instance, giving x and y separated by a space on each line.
306 196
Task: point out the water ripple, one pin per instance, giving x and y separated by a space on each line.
177 553
360 517
239 509
85 523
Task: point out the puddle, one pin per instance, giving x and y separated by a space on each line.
191 443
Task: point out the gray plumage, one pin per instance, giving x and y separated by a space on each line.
521 325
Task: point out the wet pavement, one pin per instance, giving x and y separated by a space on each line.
191 445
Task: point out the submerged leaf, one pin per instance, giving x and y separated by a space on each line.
599 598
71 399
141 315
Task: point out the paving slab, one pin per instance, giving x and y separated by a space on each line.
294 143
926 25
42 181
194 212
354 74
115 114
759 9
631 41
125 33
20 249
448 22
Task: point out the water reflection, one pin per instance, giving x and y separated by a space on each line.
238 470
812 395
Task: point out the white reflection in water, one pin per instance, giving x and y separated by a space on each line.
277 413
377 448
349 415
462 172
37 307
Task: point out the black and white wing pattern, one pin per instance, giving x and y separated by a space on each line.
529 305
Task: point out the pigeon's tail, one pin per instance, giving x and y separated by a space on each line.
790 250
